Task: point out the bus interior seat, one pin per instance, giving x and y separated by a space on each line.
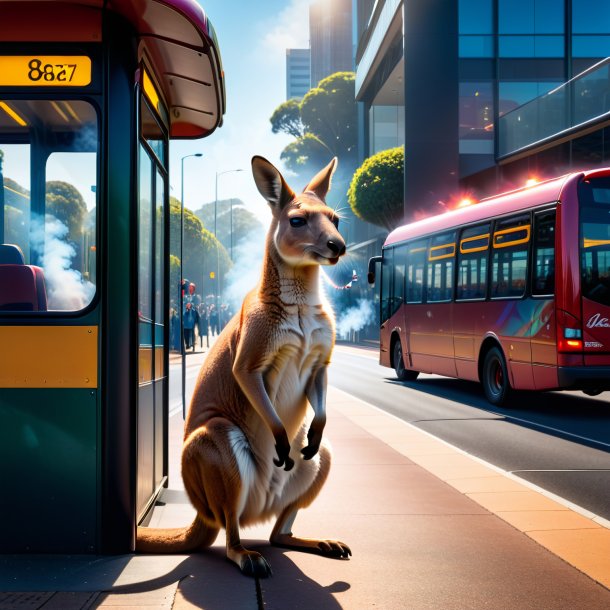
22 287
11 254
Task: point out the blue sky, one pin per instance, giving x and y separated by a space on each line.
253 38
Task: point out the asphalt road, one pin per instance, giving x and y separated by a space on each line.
559 441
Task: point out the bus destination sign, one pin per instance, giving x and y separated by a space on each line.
45 71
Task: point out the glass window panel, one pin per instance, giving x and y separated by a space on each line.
476 17
544 254
509 262
590 17
472 262
476 46
591 46
441 257
398 284
516 46
531 16
53 218
386 282
476 111
145 265
151 132
416 263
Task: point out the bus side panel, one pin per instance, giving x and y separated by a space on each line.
431 338
465 316
511 321
544 346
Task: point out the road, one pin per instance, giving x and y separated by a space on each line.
559 441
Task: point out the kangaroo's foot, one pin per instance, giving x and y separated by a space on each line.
250 563
328 548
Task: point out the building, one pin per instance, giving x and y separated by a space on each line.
476 91
330 38
298 73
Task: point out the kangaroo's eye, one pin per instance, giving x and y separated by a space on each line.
297 221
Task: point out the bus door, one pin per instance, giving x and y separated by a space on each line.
392 301
153 310
470 295
430 328
595 269
510 314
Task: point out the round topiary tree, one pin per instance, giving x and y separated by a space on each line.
376 193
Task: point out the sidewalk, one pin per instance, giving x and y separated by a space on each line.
429 527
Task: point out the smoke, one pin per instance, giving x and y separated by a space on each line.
246 270
355 318
66 287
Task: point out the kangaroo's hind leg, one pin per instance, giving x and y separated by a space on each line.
212 478
313 474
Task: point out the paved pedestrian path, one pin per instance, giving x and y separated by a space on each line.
430 527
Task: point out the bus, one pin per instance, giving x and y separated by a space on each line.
91 93
512 292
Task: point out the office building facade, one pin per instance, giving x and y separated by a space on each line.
330 38
298 73
479 86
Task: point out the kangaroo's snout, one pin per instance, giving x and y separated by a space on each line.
335 248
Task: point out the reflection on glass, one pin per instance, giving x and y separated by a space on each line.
52 220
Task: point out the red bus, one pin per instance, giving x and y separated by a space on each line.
513 292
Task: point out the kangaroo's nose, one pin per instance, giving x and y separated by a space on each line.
335 248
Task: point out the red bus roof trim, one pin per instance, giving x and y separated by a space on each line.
513 201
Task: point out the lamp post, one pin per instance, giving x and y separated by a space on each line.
181 299
228 171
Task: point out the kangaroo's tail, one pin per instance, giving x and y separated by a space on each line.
176 540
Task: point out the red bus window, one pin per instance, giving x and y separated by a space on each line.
472 263
544 254
509 263
441 256
416 263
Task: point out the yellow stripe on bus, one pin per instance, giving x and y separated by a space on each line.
48 356
514 242
466 240
592 243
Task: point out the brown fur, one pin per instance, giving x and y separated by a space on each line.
250 453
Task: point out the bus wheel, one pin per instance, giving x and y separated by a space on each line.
495 377
399 365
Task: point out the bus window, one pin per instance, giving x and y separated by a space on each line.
48 177
441 256
386 282
416 263
544 254
509 265
595 235
398 284
472 263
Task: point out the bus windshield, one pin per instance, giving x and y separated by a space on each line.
594 196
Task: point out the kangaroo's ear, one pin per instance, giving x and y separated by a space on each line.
271 184
320 183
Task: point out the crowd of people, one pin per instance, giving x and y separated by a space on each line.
200 319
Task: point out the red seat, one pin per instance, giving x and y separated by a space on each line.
22 287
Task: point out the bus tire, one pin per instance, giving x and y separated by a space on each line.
399 365
495 377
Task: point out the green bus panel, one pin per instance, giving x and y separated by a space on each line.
48 470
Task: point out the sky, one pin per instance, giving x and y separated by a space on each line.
253 38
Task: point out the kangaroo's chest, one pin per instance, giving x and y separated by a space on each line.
301 342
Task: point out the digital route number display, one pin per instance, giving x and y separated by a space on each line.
45 71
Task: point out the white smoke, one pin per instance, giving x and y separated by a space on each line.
246 270
66 288
355 318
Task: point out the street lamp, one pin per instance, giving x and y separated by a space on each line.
228 171
181 299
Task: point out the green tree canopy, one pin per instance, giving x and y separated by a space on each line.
376 193
244 222
203 253
65 202
329 112
305 154
287 118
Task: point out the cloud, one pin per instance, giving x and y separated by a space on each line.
289 30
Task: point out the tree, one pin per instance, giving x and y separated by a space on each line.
244 223
287 118
328 124
65 202
203 253
376 193
329 112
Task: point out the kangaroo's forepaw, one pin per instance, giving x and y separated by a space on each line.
252 564
327 548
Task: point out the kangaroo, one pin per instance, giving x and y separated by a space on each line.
249 453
